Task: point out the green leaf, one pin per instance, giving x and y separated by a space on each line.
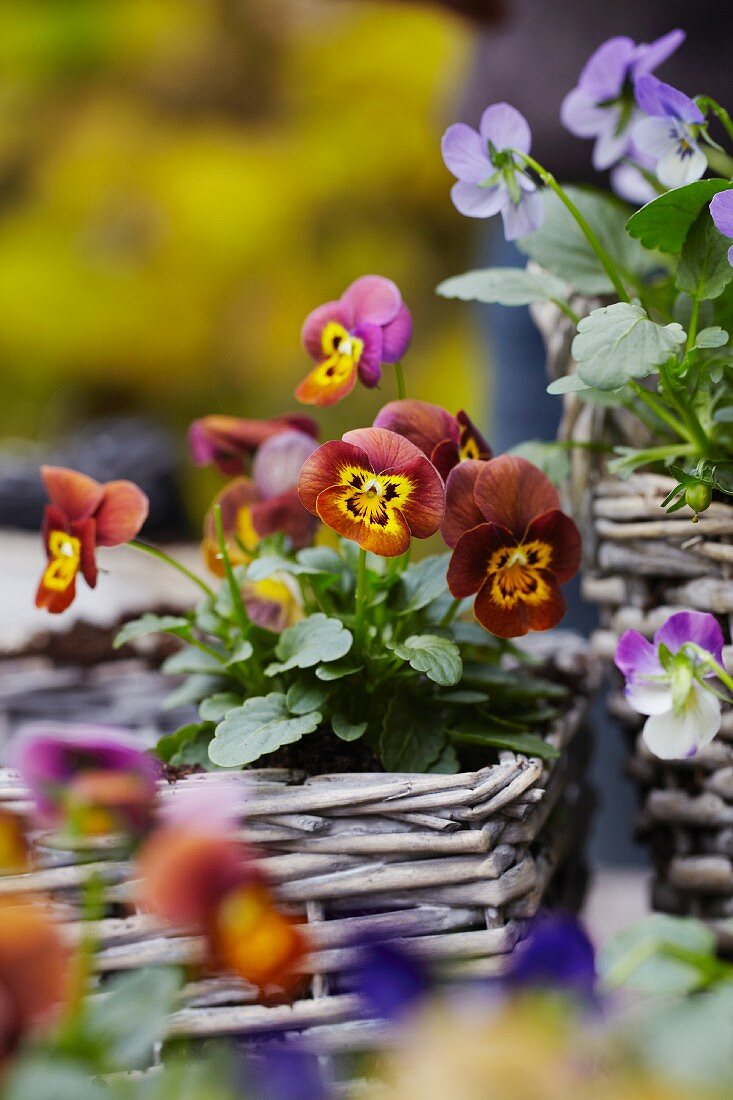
689 1041
347 730
304 696
560 247
313 640
665 221
508 286
618 342
260 726
552 458
704 270
48 1077
569 383
193 690
447 763
191 659
262 568
242 653
189 745
506 684
438 658
151 624
216 706
529 744
133 1015
336 671
422 583
713 337
321 559
657 956
412 735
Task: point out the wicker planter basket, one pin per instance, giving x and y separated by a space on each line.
642 565
454 863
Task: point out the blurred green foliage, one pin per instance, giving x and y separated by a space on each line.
182 180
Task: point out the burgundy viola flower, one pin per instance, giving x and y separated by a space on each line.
90 779
268 502
445 439
35 971
375 488
513 547
193 875
229 442
82 515
352 337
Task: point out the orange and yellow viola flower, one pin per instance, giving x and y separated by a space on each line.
513 546
261 505
349 339
445 439
231 442
82 515
375 488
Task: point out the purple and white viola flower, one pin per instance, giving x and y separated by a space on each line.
674 680
602 105
630 178
491 179
721 211
669 134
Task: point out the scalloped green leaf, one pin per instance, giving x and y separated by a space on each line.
438 658
315 639
151 624
507 286
260 726
665 221
618 342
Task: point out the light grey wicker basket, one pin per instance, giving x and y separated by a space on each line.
453 863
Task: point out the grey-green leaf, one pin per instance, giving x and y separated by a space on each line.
133 1015
423 582
618 342
412 736
192 660
242 653
260 726
645 956
438 658
336 671
151 624
313 640
713 337
569 383
508 286
304 696
216 706
347 730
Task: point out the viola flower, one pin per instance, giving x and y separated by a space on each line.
375 488
274 603
490 177
557 954
252 508
92 780
82 515
35 971
670 679
721 211
193 875
602 105
15 851
446 440
352 337
513 546
669 136
390 980
230 443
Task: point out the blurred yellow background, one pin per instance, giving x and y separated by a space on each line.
182 180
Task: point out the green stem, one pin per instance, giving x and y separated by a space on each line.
696 433
237 601
450 613
400 376
360 594
661 411
606 262
161 555
692 327
566 309
705 102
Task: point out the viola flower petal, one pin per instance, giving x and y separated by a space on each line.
672 736
372 353
604 72
77 495
372 300
512 492
464 153
327 383
423 424
506 128
424 507
721 211
515 619
468 565
478 202
699 627
471 443
121 514
311 334
647 696
386 450
523 217
560 533
324 467
636 656
396 336
648 56
237 500
461 510
279 460
284 513
388 537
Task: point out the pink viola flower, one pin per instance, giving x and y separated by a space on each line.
445 439
491 178
91 779
230 442
602 105
672 679
351 338
721 211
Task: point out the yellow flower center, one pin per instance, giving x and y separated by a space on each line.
516 573
468 449
254 939
373 498
63 566
342 353
246 534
